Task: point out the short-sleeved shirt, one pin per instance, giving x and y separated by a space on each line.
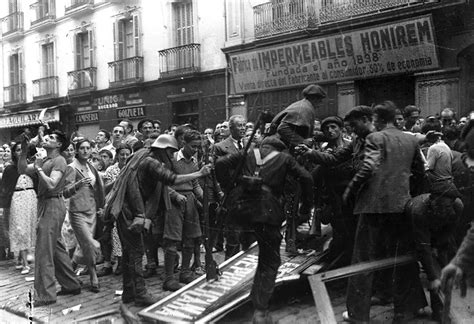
439 160
57 163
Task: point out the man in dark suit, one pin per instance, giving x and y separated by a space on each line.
382 189
232 144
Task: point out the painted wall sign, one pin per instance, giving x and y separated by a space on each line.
130 113
28 118
402 47
203 301
85 118
109 101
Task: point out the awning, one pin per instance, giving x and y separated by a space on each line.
29 117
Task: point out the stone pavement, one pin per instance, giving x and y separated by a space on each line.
292 302
14 294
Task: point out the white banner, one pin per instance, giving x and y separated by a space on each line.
402 47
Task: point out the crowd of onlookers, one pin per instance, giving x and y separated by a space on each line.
333 156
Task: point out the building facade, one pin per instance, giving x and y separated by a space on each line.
362 52
86 64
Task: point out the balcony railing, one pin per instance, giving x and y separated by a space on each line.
12 23
76 4
282 16
82 80
14 94
181 60
348 9
43 11
129 70
45 87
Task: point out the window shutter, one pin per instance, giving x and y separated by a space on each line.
91 48
78 50
136 35
115 31
121 40
11 62
20 67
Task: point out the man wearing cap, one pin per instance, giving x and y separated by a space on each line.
141 191
296 122
257 204
331 183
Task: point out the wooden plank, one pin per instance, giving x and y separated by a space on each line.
318 286
364 267
322 301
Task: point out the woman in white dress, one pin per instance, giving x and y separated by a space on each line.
23 214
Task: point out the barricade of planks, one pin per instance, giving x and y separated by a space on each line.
323 302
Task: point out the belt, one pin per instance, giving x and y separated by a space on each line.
21 189
59 195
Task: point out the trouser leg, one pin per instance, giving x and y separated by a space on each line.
151 250
269 239
133 250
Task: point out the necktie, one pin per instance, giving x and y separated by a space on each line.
239 145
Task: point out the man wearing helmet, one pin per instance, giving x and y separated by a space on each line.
141 191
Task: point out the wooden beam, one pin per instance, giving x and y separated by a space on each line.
323 303
320 293
363 267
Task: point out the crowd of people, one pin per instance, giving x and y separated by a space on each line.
388 180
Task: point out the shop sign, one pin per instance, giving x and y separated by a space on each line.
131 113
402 47
28 118
109 101
86 118
202 301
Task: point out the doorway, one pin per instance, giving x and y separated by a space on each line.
400 90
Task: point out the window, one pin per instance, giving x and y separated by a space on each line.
233 18
12 6
16 68
84 50
48 60
15 92
127 38
183 23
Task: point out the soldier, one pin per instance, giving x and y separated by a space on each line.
257 205
139 193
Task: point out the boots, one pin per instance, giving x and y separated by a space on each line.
261 317
186 275
170 283
118 270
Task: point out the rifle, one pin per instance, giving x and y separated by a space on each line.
212 269
263 117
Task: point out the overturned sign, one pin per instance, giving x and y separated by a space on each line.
203 301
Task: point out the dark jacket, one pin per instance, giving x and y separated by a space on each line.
382 183
295 123
264 206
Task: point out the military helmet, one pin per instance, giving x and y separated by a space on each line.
164 141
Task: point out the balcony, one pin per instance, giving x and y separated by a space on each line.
45 88
43 14
283 16
180 61
350 9
14 94
12 25
82 80
286 16
76 7
126 71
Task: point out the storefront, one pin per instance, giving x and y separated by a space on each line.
389 61
12 125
